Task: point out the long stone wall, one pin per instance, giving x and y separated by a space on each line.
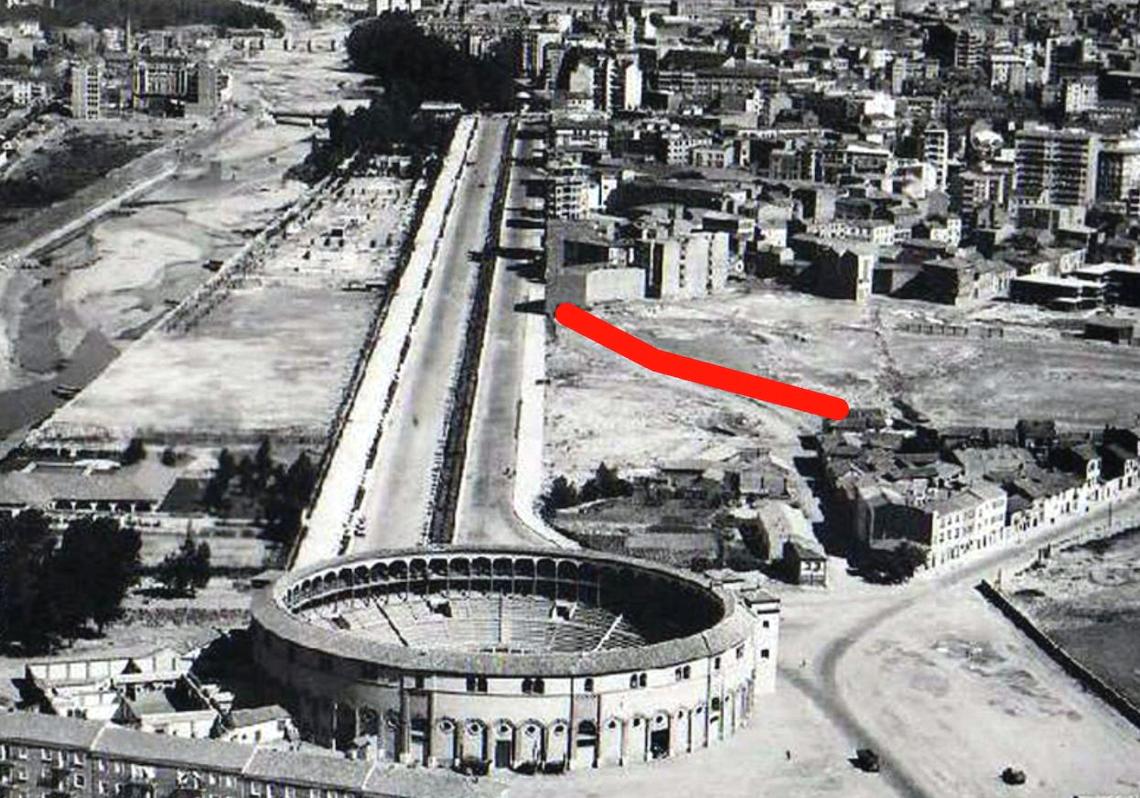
1068 663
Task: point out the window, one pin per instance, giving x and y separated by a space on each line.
740 652
45 755
539 686
254 788
420 682
22 753
79 780
471 684
482 684
528 685
767 624
763 653
588 686
633 681
641 680
716 664
686 672
102 788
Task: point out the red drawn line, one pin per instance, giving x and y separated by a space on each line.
698 371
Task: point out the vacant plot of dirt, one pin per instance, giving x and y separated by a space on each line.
268 362
1087 598
600 406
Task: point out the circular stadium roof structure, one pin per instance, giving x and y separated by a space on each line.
501 611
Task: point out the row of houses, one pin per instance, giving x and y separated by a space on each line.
154 691
955 496
45 755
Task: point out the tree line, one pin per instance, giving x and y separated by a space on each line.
146 14
411 66
409 61
278 493
606 483
55 588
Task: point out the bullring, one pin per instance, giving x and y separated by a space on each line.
513 658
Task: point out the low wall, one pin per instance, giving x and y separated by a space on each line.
1068 663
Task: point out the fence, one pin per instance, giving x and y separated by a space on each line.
1071 666
952 330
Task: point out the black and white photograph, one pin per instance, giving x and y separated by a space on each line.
569 398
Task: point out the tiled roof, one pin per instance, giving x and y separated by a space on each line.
164 749
26 727
332 771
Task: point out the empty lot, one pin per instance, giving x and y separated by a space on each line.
602 407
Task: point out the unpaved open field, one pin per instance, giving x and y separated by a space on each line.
121 275
1087 598
268 362
602 407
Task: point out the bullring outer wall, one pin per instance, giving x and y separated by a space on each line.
417 705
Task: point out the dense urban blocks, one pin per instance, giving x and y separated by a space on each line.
513 658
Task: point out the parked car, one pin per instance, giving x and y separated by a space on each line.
867 760
1013 776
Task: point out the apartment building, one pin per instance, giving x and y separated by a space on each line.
1118 169
966 521
568 190
936 152
87 90
973 189
1008 73
680 264
45 755
1058 164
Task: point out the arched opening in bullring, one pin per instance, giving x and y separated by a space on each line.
503 752
585 743
528 745
659 737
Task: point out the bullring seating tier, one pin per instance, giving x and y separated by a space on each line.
481 622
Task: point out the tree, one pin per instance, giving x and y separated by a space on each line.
26 546
406 59
214 496
338 127
135 452
605 484
562 494
287 496
262 463
226 467
184 572
169 457
95 566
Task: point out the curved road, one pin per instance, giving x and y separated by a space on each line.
916 603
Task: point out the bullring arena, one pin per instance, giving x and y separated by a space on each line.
511 658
